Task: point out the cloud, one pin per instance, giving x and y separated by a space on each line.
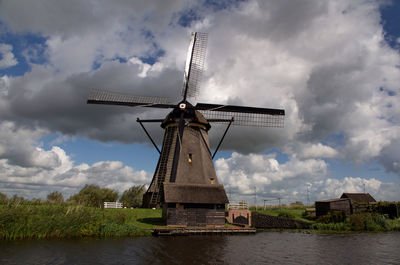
17 146
333 188
316 151
324 70
7 58
390 158
32 171
242 173
326 63
245 175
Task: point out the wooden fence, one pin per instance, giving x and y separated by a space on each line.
112 205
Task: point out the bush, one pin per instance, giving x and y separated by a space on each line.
93 195
333 217
55 197
368 222
286 215
331 226
133 196
3 198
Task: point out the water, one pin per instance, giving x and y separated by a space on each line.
262 248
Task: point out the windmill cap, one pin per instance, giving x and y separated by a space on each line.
190 114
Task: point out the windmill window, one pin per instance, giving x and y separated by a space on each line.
212 181
190 158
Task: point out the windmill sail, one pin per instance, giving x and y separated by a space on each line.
245 116
194 65
111 98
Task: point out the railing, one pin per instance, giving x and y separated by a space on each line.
112 205
238 206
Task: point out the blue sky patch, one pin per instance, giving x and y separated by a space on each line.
28 49
83 150
391 23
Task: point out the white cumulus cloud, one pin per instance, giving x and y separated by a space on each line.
7 58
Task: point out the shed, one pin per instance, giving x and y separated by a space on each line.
327 206
359 201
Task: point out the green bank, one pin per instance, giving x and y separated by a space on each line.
46 220
63 221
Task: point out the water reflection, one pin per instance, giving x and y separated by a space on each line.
262 248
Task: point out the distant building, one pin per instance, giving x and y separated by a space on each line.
328 206
348 203
359 201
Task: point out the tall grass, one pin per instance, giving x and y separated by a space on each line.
371 222
18 221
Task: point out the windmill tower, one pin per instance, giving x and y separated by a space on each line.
185 184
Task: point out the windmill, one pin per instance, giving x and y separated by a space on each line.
185 183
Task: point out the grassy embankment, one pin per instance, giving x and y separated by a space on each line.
18 221
369 222
292 213
362 222
64 221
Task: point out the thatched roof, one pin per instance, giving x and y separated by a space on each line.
194 193
359 197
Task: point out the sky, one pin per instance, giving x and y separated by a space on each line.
334 66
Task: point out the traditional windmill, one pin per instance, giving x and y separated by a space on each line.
185 183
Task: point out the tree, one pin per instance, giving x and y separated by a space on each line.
3 197
93 195
133 196
55 197
16 198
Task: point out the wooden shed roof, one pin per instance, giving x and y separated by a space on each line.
333 200
359 197
194 193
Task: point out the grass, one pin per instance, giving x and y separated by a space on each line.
364 222
63 221
23 220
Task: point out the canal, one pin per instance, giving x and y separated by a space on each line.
262 248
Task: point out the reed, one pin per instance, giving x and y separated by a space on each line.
19 221
370 222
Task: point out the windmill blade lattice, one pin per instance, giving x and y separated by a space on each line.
97 96
194 65
244 116
245 119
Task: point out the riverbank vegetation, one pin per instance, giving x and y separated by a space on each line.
23 220
371 222
335 222
82 215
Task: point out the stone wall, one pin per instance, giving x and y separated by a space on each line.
267 221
